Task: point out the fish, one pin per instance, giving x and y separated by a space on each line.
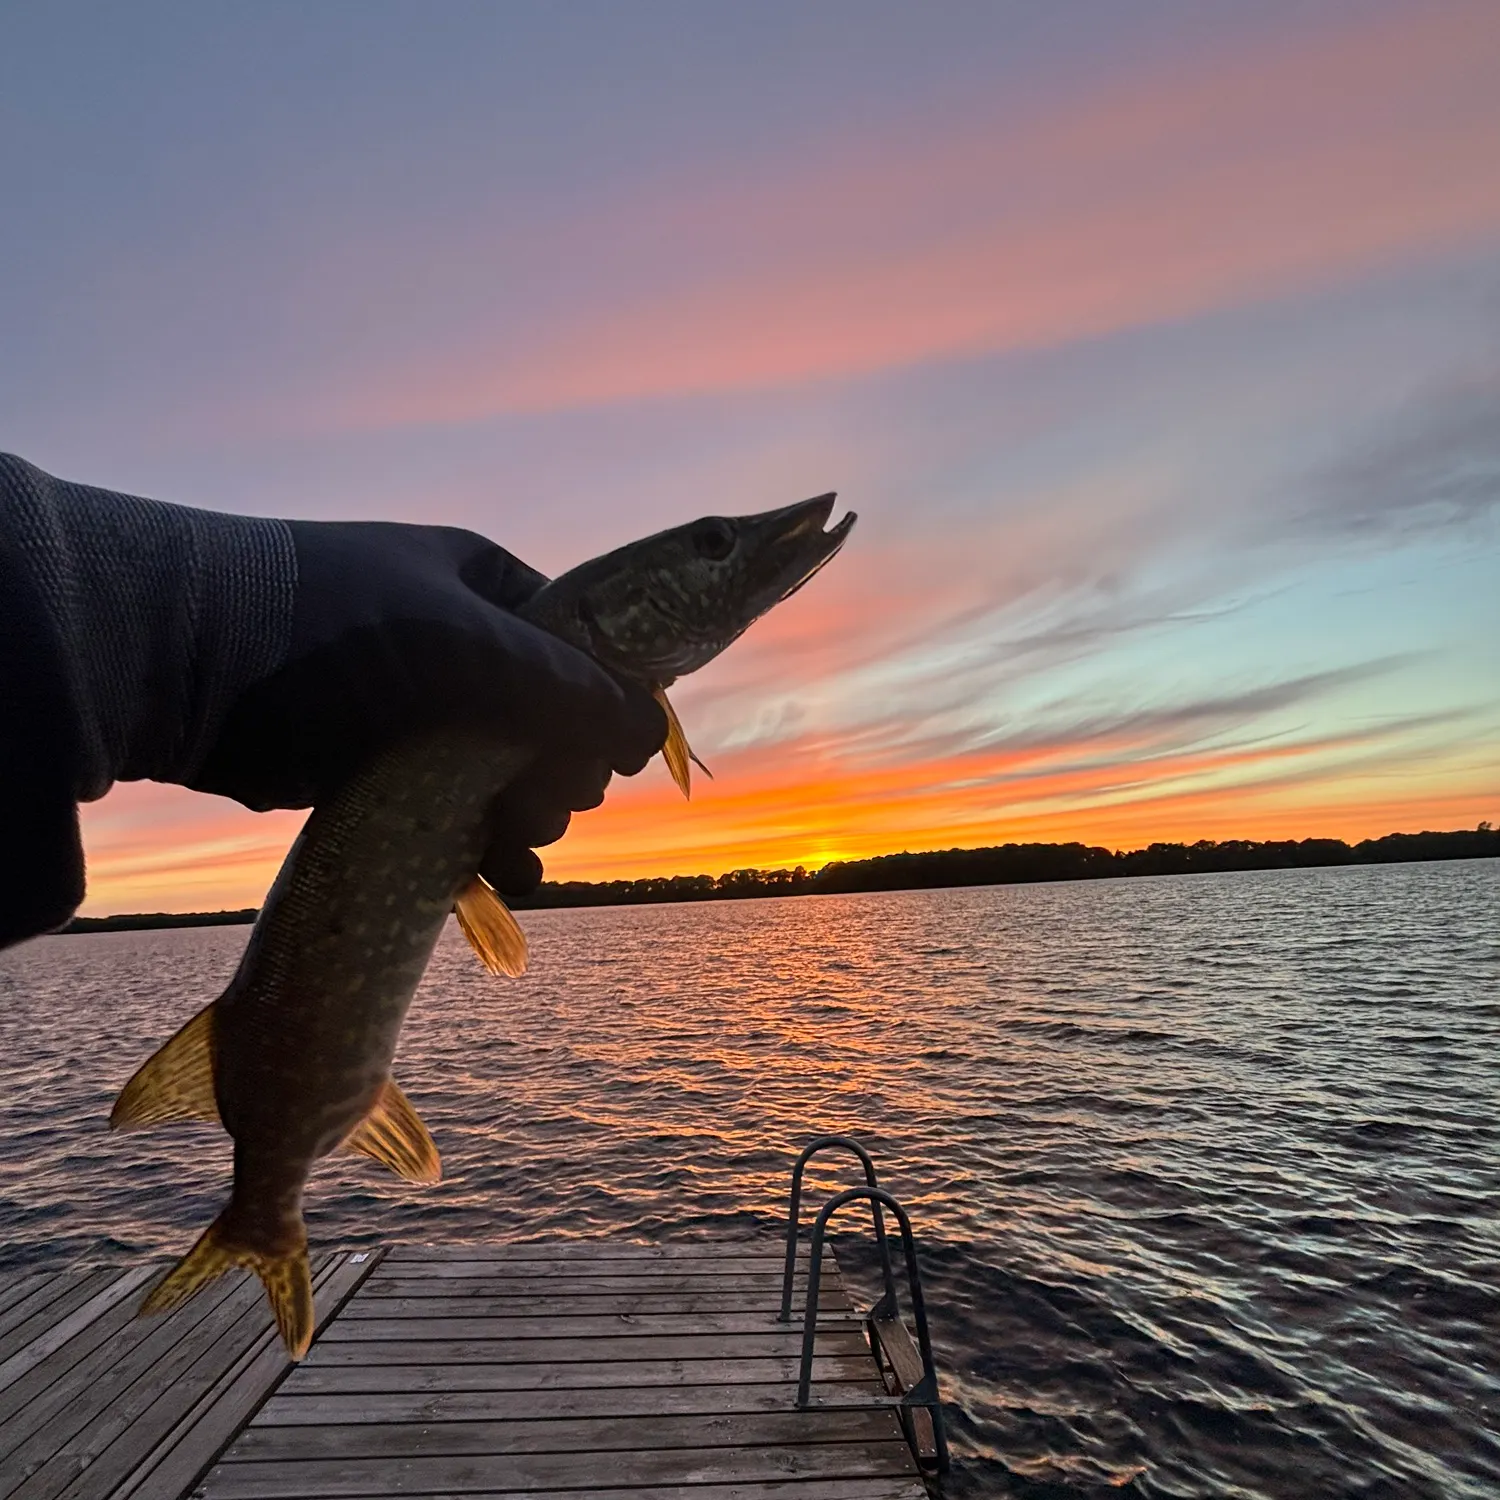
294 1059
653 611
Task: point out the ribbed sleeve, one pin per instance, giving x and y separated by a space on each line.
41 858
163 615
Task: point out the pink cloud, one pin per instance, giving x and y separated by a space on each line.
1149 200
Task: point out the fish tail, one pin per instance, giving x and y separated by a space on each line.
288 1284
286 1278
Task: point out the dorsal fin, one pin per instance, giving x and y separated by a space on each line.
677 752
393 1133
493 933
175 1083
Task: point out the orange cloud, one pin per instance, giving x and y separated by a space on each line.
1158 197
801 807
809 802
159 848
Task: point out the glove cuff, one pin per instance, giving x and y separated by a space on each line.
163 615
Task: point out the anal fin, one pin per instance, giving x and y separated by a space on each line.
493 933
677 752
393 1133
175 1083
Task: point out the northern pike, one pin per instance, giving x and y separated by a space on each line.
294 1058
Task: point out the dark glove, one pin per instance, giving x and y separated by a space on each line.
399 627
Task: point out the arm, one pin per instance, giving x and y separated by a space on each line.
264 660
41 856
110 609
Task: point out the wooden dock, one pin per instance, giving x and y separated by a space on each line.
572 1368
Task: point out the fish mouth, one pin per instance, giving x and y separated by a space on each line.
802 519
799 529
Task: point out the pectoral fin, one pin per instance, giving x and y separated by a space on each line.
677 752
493 933
393 1133
175 1083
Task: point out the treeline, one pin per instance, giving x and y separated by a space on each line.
1004 864
138 921
1016 864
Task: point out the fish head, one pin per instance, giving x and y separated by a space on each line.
657 609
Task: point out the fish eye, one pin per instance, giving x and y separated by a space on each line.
714 540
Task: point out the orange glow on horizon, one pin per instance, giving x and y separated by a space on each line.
796 807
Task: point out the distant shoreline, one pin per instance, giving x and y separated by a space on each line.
141 921
1004 864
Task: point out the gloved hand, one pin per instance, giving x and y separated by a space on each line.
265 660
398 627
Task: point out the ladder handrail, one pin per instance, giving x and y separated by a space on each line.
794 1210
925 1392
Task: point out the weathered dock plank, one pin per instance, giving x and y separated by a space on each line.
170 1467
80 1380
502 1474
689 1398
52 1300
97 1403
600 1434
832 1305
566 1326
473 1370
578 1368
752 1288
595 1252
635 1266
94 1442
795 1489
49 1338
574 1375
18 1284
624 1346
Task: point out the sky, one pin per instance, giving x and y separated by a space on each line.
1157 347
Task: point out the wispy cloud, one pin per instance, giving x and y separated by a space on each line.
1437 463
1172 778
1150 198
1226 763
1127 195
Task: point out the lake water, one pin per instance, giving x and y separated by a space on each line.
1205 1171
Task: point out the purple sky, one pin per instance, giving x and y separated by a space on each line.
1158 347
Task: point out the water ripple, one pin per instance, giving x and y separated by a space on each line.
1204 1170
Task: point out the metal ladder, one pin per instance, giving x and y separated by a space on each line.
907 1370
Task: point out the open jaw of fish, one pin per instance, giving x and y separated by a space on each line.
294 1058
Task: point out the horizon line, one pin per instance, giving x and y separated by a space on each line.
245 913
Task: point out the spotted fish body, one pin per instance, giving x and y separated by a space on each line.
294 1058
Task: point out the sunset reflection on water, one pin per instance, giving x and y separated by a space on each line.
1202 1170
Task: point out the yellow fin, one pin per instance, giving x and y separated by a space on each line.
677 752
288 1284
175 1083
493 933
393 1133
286 1279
